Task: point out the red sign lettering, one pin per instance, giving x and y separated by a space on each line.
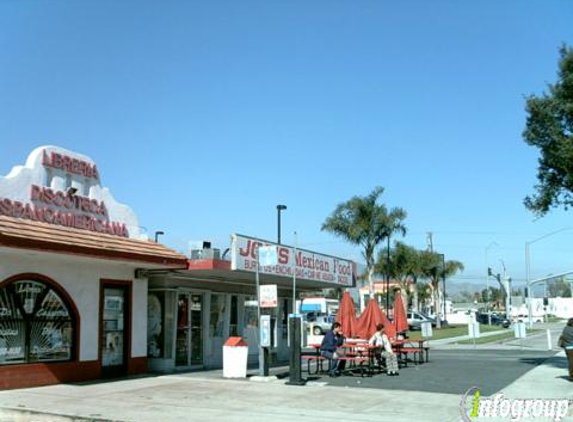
69 164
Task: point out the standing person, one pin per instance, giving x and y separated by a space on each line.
381 340
332 340
566 341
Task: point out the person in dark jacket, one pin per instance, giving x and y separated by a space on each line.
566 341
332 340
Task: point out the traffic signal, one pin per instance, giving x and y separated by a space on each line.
545 301
489 272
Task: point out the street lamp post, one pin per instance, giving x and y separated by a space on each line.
444 280
279 209
157 234
528 268
487 280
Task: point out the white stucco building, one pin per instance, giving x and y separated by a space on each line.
71 307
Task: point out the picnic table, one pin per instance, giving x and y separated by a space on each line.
416 347
317 358
360 356
355 352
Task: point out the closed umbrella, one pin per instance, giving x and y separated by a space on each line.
347 315
400 320
370 318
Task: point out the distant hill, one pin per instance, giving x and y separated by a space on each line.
454 290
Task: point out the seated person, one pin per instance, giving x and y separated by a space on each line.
332 340
381 340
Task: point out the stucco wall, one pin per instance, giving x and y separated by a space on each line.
17 184
80 277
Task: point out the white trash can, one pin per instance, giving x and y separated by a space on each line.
235 355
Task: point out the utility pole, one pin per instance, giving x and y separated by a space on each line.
429 241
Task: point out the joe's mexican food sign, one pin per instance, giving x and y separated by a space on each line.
309 265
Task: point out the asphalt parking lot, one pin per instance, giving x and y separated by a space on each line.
453 372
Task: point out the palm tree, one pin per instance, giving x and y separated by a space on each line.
434 269
362 221
404 267
424 295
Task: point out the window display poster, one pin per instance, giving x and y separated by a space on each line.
113 351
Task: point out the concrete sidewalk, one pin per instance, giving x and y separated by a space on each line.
205 396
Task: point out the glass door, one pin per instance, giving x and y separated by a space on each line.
182 337
114 340
234 317
196 329
189 338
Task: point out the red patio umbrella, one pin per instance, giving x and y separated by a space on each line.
400 320
347 315
370 318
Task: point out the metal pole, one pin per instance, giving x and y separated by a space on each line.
528 283
507 297
263 361
278 225
444 279
279 209
257 284
487 281
294 276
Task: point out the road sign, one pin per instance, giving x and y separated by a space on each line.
265 331
268 255
520 330
268 295
473 330
426 329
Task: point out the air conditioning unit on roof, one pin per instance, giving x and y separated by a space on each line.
205 254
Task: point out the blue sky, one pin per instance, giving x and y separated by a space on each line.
203 116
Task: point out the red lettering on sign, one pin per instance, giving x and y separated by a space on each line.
17 209
69 164
283 255
252 249
35 194
6 207
49 216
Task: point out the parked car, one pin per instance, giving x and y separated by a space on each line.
416 318
496 319
321 323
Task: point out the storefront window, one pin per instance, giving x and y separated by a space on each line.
155 306
250 313
217 315
35 324
234 319
285 310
